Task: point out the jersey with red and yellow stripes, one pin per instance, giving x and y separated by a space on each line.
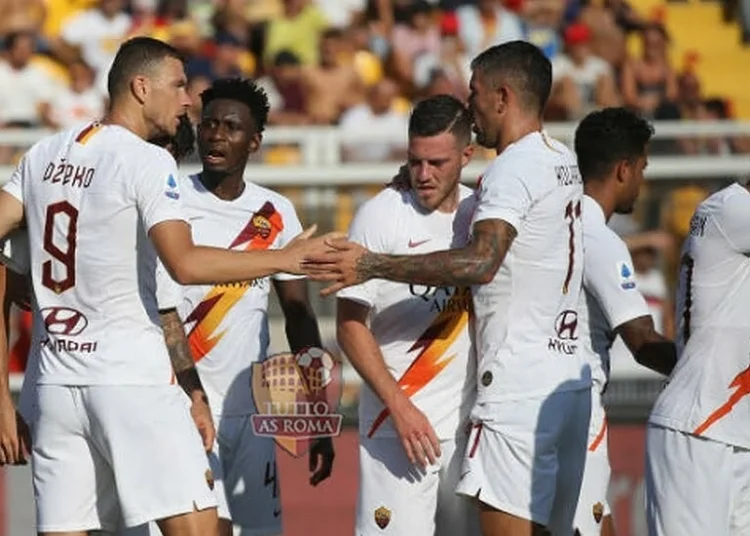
227 324
423 332
707 394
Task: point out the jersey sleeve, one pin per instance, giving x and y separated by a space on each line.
157 191
292 227
168 291
610 278
735 221
368 229
14 186
503 195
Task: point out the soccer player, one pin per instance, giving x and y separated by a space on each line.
698 435
527 449
229 335
15 267
611 146
111 432
415 357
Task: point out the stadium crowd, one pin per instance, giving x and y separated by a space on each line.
346 63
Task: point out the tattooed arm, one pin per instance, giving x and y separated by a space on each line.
474 264
187 374
477 263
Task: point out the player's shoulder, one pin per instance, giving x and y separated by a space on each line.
388 201
52 145
730 201
534 151
266 195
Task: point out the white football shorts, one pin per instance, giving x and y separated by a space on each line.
246 480
527 457
106 456
103 456
398 498
695 486
592 501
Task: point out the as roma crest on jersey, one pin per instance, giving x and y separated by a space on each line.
382 517
598 511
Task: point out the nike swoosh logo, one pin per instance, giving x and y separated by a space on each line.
276 512
413 244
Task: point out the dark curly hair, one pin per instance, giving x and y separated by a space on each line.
608 136
243 90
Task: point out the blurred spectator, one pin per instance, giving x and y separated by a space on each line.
626 17
439 83
95 34
581 80
79 103
650 81
542 19
286 95
341 13
196 86
376 117
21 15
689 95
608 40
365 62
26 90
718 110
486 24
154 17
451 64
331 88
419 36
227 58
298 30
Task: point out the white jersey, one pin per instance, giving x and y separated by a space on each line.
707 392
611 297
526 318
90 197
227 325
422 331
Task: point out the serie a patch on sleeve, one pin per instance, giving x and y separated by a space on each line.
625 274
172 190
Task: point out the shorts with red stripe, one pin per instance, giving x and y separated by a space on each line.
592 502
527 457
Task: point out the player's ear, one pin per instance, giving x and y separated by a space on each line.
623 171
255 142
139 87
503 95
466 155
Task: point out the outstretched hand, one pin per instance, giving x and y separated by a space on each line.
340 265
305 245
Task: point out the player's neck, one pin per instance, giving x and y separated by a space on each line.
127 120
517 129
598 192
449 205
225 187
